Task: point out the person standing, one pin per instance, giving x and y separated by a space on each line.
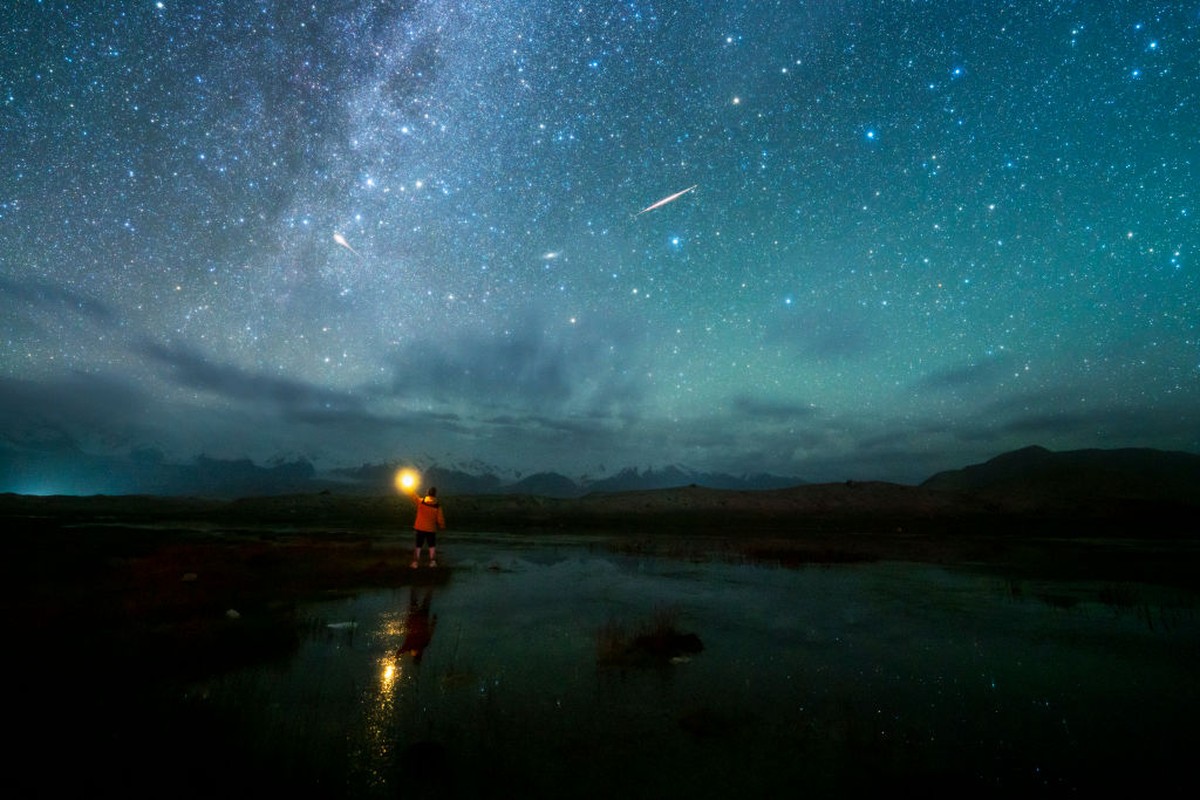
429 521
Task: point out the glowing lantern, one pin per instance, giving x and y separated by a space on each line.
406 480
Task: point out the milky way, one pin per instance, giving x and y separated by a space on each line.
920 234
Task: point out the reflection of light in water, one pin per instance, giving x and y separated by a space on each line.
380 705
391 627
391 670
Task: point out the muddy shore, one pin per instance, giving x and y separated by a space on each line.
129 554
117 602
160 576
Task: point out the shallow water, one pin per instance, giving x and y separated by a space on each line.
877 676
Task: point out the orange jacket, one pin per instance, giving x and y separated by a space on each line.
429 514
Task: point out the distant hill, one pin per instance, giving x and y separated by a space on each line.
1037 477
545 484
674 477
372 478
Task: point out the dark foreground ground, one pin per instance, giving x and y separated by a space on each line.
114 603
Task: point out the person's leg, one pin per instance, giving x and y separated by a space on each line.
416 562
432 556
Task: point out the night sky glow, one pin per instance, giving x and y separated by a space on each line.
920 234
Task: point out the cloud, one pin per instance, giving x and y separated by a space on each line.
74 403
759 409
54 299
189 368
573 371
1110 422
825 333
985 373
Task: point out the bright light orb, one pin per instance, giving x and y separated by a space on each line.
406 480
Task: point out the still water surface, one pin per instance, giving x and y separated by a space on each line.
822 679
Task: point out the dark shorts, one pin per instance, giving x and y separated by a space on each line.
426 538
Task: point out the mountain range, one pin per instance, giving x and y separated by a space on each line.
1032 476
1090 493
1042 478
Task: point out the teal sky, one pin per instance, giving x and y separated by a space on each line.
921 233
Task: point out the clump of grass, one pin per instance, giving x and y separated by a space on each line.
656 640
674 547
1117 595
1056 600
611 642
796 554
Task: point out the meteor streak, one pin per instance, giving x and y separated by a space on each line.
666 200
337 237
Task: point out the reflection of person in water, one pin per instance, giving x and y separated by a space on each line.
418 626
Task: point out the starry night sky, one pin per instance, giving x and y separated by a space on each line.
921 233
